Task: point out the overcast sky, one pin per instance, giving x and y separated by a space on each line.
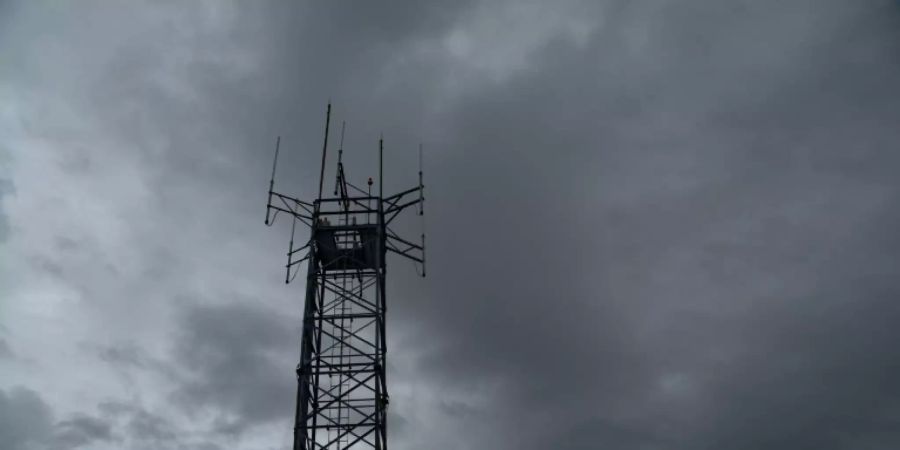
653 225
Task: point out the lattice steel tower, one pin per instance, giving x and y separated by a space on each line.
342 395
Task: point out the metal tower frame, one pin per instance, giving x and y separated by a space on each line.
342 395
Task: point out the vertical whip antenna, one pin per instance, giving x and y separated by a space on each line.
324 149
272 179
340 164
340 183
422 208
290 254
381 166
421 187
341 145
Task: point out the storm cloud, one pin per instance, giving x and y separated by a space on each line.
651 224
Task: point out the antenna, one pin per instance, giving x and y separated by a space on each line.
421 193
381 166
324 149
340 158
272 180
275 162
340 182
287 274
341 146
422 208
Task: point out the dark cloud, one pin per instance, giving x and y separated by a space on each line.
127 356
140 428
25 419
238 359
81 430
674 230
27 423
657 257
124 355
142 425
155 429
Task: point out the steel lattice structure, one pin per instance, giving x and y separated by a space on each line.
342 395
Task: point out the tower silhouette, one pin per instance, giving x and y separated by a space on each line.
342 395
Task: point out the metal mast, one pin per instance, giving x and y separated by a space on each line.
342 395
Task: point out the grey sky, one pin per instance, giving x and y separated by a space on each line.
652 224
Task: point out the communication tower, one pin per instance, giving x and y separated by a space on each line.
342 395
